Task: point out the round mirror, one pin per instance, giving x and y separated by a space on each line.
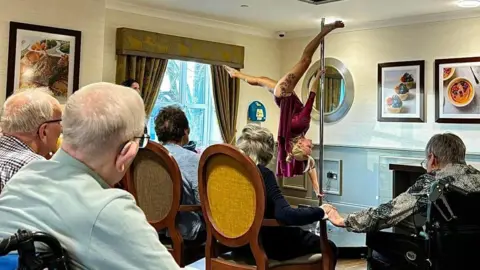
338 90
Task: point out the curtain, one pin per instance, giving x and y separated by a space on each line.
226 95
332 94
148 71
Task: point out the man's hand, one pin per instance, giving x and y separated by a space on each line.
336 219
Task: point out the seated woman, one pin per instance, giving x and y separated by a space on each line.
172 128
280 243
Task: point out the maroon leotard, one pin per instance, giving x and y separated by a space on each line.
294 121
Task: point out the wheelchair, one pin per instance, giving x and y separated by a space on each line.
28 258
447 239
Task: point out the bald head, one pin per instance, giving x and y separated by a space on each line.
101 116
27 109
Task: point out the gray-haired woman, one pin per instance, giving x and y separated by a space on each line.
280 243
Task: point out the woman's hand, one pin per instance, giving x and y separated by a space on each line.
336 219
327 208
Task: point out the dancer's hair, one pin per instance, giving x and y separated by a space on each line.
301 151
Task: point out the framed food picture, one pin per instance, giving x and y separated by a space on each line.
457 90
401 91
41 56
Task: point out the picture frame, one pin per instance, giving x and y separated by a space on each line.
43 56
457 90
401 91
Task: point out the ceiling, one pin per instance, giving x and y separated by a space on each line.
293 15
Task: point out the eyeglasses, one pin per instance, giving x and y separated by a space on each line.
424 164
144 139
48 122
53 121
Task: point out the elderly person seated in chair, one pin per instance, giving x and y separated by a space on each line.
172 128
70 196
444 159
31 124
280 243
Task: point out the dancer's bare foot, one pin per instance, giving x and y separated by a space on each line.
231 71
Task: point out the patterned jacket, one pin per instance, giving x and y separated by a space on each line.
412 201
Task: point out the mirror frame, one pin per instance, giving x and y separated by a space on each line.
347 101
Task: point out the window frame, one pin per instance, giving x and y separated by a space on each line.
208 106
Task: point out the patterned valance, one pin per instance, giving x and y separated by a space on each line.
150 44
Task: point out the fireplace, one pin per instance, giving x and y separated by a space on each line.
404 176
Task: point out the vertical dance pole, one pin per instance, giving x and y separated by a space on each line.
320 109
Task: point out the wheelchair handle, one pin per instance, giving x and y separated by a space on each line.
12 243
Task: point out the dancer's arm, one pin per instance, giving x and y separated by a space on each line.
312 174
315 85
287 83
252 80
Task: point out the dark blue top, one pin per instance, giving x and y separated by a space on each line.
276 207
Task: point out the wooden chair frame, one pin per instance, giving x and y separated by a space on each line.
251 237
168 222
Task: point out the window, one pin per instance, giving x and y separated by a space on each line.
189 85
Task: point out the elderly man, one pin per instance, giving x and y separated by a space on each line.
30 124
70 197
445 159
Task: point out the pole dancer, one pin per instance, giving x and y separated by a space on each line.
294 150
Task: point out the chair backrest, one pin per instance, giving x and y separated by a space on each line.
452 241
232 192
155 181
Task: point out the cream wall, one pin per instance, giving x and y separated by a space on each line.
361 51
87 16
261 55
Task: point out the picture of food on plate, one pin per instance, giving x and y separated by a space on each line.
408 80
458 96
394 104
448 73
402 91
460 92
43 57
45 63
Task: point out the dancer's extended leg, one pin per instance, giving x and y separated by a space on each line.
252 80
287 83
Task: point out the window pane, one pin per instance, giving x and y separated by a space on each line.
170 88
189 85
196 119
196 82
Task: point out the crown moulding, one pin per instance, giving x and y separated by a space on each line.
120 5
